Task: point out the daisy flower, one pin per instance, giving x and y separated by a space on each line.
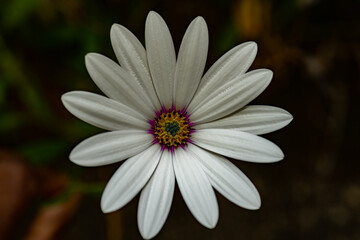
173 124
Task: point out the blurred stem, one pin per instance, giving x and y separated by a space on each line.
114 225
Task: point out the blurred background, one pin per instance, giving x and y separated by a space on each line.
312 46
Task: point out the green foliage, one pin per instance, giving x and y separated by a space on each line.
10 121
42 49
44 151
226 38
16 12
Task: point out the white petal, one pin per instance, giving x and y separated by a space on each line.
132 57
110 147
195 188
232 96
232 64
117 83
252 119
226 178
102 112
191 62
156 198
129 179
161 57
238 145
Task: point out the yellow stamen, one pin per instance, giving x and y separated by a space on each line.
171 129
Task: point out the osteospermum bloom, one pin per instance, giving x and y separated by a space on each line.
172 124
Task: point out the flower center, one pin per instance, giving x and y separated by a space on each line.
171 128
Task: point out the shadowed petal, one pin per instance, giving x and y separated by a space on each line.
232 96
132 57
238 145
102 112
161 57
117 83
232 64
129 179
195 188
156 198
191 62
252 119
110 147
226 178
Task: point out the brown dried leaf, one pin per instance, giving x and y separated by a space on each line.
17 189
51 219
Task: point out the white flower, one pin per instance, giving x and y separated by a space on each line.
171 122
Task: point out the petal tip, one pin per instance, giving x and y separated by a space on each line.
152 14
256 204
212 225
280 155
147 234
199 23
252 44
89 57
105 206
211 221
277 154
290 117
77 156
116 29
263 73
114 26
76 159
200 19
105 210
269 73
65 98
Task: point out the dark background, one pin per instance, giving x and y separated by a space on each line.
313 48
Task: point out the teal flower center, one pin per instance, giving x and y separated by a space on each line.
172 128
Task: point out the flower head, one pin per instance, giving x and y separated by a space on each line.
170 123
